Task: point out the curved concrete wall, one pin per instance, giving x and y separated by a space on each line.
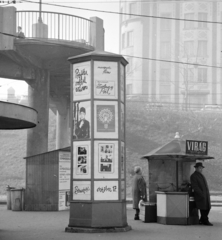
14 116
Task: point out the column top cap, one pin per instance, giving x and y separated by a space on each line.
98 55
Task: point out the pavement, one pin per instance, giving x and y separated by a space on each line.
24 225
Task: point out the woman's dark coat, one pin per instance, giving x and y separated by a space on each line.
201 191
138 190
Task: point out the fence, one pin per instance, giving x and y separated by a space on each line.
60 26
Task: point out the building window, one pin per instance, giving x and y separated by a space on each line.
202 17
202 48
129 89
190 74
165 50
123 41
165 24
189 24
129 67
130 39
202 75
165 74
188 48
132 9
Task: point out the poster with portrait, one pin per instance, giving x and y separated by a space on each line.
105 119
81 120
122 121
122 82
81 190
106 190
81 159
122 161
81 81
106 159
105 80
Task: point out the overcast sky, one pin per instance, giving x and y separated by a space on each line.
111 25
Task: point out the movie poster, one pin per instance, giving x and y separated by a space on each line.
105 80
81 81
81 120
122 82
81 160
105 89
106 159
122 161
64 170
106 119
106 190
81 190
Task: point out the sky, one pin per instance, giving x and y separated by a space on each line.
111 25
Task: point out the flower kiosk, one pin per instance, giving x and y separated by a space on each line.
170 167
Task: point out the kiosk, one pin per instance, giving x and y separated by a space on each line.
170 167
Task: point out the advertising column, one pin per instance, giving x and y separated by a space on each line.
98 194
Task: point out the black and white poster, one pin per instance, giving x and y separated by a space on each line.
82 160
81 81
105 80
106 159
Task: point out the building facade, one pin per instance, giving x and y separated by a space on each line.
174 51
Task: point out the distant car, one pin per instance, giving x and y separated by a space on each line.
211 107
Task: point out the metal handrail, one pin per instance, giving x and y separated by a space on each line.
54 25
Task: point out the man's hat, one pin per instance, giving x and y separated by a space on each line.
199 164
82 109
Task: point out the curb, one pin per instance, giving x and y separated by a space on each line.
97 230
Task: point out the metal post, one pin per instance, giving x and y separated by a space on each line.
40 11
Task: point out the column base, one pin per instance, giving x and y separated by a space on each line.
97 230
101 215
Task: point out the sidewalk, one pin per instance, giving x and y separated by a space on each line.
216 200
24 225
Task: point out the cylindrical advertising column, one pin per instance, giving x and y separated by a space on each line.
98 170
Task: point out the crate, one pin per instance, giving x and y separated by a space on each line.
148 212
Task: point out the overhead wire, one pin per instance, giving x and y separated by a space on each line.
143 58
122 13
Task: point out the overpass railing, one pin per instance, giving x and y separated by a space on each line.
59 26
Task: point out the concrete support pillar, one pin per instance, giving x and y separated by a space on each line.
8 26
38 91
97 33
62 125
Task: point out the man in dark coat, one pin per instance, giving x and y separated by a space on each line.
138 190
82 128
201 193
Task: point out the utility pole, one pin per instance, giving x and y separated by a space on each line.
40 11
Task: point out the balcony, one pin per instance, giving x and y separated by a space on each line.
50 39
54 26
